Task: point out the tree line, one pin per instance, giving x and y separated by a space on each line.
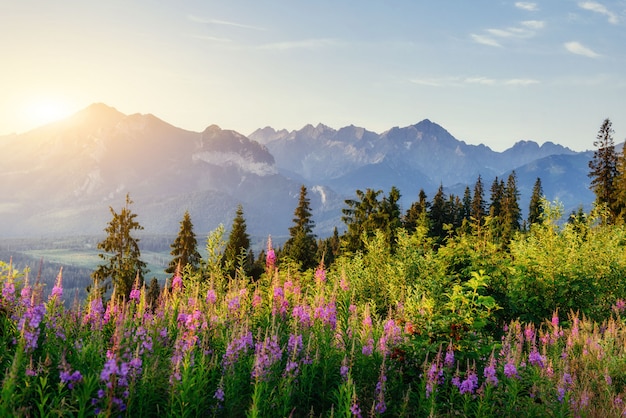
497 218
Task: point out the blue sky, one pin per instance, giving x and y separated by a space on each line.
492 72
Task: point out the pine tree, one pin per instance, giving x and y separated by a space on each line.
238 246
478 211
362 216
390 208
416 214
535 209
603 167
121 253
438 215
184 248
511 212
302 245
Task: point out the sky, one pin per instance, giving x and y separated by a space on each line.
489 71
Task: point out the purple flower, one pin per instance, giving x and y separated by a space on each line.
320 275
57 290
135 295
110 368
266 354
368 348
449 359
536 359
490 373
177 282
219 394
270 257
302 314
211 297
8 291
356 410
343 371
510 370
470 384
294 345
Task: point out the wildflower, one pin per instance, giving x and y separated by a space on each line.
70 378
270 257
368 348
294 345
302 314
449 358
266 354
343 284
210 296
536 359
135 295
356 410
343 370
57 290
219 394
510 370
470 384
8 291
529 333
235 347
320 275
177 282
490 372
257 299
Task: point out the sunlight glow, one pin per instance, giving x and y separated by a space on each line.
43 111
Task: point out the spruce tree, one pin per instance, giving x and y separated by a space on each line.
390 207
416 214
438 215
511 212
184 248
302 245
535 209
238 246
362 216
121 253
478 211
603 167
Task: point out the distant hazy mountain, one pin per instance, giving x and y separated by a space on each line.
60 179
424 155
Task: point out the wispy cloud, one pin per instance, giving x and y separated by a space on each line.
480 80
524 5
599 8
302 44
526 29
521 82
485 40
198 19
534 24
579 49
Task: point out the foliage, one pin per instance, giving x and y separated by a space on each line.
121 253
301 245
237 246
184 248
603 167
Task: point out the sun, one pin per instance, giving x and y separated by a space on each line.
43 111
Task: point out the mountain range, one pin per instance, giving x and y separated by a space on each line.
61 178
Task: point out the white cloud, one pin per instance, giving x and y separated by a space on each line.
579 49
480 80
534 24
521 82
485 40
524 5
527 29
599 8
